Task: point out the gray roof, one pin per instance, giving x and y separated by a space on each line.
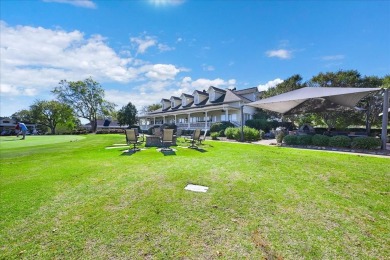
328 97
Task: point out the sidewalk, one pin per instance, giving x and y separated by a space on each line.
381 153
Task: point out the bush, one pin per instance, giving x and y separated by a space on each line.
261 124
279 137
250 134
304 139
262 134
291 140
220 127
214 135
320 140
340 141
232 133
366 143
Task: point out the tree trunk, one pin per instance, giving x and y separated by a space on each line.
53 130
93 125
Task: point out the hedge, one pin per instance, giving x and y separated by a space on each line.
340 141
320 140
366 143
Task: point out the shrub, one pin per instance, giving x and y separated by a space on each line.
279 137
261 124
340 141
262 134
250 134
320 140
290 139
366 143
304 139
220 127
214 135
232 133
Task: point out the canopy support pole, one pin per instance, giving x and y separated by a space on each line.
242 123
385 117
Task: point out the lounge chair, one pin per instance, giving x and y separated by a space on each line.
157 132
203 138
138 135
132 139
194 138
167 139
179 132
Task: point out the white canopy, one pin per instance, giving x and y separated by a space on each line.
324 97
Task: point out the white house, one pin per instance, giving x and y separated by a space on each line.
201 109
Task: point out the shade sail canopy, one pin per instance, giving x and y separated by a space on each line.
316 99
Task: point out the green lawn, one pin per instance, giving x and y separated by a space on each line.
66 197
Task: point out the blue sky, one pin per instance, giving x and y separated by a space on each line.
142 51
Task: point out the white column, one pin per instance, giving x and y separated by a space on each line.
188 120
205 119
227 114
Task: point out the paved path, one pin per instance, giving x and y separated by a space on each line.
380 154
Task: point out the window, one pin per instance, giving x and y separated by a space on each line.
212 96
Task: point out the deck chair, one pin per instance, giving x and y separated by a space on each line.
179 132
138 135
167 139
157 131
203 138
132 139
194 138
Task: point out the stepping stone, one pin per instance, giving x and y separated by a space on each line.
196 188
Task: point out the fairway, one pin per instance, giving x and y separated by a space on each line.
8 142
79 200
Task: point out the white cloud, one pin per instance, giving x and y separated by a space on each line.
160 71
164 47
281 54
144 43
208 67
269 84
333 57
35 59
81 3
166 2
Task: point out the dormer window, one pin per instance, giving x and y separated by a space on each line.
196 99
212 95
173 104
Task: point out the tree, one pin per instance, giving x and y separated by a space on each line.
127 115
51 114
373 103
151 108
292 83
86 98
23 115
343 117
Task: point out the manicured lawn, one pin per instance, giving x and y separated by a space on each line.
75 199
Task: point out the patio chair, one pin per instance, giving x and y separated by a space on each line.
203 138
194 138
167 139
132 139
157 131
138 135
179 132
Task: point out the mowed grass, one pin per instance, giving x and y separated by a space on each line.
77 200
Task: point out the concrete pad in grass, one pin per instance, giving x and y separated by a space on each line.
196 188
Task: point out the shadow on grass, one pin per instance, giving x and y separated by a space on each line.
198 149
167 152
129 152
